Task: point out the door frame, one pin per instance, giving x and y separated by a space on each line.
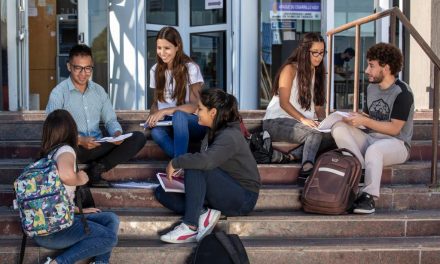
185 30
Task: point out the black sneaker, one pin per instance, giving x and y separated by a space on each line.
94 172
364 204
302 177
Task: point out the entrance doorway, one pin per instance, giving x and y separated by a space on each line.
204 26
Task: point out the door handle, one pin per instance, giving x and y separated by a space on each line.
81 38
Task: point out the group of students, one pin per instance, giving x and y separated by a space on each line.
222 178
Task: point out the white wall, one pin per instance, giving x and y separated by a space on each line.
248 55
127 54
419 72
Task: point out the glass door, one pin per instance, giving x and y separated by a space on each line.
93 23
344 50
204 26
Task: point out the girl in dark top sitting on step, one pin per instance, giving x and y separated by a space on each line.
60 138
223 176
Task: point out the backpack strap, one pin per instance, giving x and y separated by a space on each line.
80 208
51 153
226 243
22 249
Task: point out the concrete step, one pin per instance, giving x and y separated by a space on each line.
413 172
272 197
270 173
420 250
145 224
420 150
28 125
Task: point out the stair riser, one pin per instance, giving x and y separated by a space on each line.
177 255
335 229
147 228
152 151
269 174
31 130
268 199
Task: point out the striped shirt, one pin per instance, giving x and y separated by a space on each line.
87 109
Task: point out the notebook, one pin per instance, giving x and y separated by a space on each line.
326 124
176 185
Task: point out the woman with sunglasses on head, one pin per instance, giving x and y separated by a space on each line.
177 82
298 100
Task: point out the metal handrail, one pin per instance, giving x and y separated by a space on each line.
393 13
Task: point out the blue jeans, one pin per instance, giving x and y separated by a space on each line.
174 140
215 189
98 243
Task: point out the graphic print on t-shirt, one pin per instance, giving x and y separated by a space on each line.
379 110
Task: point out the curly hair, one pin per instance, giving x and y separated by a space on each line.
300 60
385 54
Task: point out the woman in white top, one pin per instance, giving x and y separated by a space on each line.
298 100
177 81
60 139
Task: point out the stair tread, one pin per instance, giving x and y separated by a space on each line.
279 243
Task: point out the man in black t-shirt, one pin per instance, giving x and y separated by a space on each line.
388 117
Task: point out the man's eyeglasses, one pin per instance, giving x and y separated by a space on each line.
317 53
79 69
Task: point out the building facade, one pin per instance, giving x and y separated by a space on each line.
239 45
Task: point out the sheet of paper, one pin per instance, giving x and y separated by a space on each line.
134 185
114 139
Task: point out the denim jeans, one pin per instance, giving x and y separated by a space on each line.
215 189
110 154
290 130
98 243
174 140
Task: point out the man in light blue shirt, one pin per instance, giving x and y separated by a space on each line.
89 104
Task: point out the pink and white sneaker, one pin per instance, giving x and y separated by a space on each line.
207 222
180 234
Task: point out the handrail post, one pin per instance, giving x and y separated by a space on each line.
435 115
357 52
393 28
329 74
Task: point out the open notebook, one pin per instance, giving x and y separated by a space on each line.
176 185
326 124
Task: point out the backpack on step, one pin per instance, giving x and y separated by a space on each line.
220 248
42 199
333 185
261 147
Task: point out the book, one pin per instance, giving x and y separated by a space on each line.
159 123
176 185
114 139
326 124
134 185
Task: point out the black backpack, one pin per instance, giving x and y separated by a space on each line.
220 248
260 144
261 147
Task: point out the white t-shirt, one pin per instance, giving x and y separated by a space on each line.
70 189
195 76
274 109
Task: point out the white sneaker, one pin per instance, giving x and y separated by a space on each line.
207 222
180 234
48 260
